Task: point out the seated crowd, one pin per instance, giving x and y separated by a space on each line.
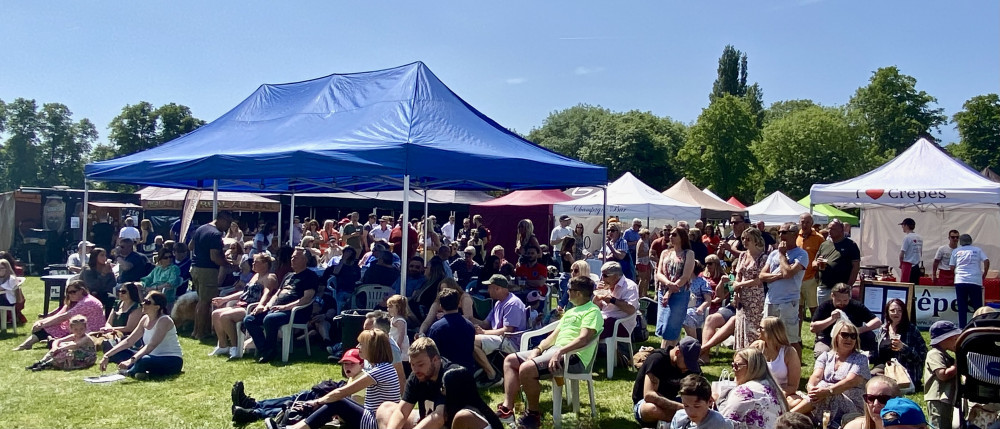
427 346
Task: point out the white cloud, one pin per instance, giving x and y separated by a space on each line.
516 80
582 70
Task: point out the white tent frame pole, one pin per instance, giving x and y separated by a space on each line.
84 219
215 199
291 224
279 223
426 218
404 231
604 220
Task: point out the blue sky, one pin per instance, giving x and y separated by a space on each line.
516 61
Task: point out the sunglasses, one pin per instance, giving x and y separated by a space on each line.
147 302
604 275
574 270
674 234
122 292
849 335
72 291
784 231
880 398
736 365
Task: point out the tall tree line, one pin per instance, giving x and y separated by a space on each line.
738 147
44 146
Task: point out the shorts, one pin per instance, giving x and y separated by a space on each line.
824 293
727 312
542 363
693 320
789 315
205 281
636 413
492 343
807 294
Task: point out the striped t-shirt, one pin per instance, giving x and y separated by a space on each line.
385 389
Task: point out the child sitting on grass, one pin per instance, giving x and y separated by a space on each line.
939 374
696 395
74 351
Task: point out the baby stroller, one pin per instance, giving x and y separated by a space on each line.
978 362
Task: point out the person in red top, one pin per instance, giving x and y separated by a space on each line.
532 271
659 245
396 239
711 239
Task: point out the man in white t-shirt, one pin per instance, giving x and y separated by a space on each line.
971 266
129 230
383 230
910 253
560 232
943 273
448 230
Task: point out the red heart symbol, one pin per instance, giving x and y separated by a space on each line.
875 193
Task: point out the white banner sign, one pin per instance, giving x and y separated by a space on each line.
935 303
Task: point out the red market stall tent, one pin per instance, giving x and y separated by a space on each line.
502 215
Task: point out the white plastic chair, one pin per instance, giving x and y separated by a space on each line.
611 343
373 293
287 333
574 386
9 309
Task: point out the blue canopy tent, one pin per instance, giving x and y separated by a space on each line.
370 131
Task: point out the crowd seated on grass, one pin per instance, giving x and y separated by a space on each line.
424 360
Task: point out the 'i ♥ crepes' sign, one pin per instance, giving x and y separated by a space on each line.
891 195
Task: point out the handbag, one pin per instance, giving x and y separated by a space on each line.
725 383
896 371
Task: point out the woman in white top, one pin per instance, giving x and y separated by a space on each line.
782 360
161 355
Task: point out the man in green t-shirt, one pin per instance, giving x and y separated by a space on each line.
354 234
577 330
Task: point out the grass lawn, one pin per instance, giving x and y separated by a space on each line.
199 398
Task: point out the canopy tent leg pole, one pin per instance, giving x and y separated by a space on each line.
215 199
291 223
426 218
278 238
604 220
84 219
404 231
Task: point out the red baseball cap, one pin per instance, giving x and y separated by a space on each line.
352 356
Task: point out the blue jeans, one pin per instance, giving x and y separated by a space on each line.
564 290
271 407
344 300
670 318
157 366
264 329
969 297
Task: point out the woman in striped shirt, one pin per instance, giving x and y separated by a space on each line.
379 380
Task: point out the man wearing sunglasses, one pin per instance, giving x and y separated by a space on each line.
783 273
942 272
297 289
838 307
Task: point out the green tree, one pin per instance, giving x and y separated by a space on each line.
567 131
134 129
780 109
979 126
20 167
637 142
717 151
732 74
808 145
63 146
175 120
889 113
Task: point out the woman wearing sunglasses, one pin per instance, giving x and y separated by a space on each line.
837 380
879 390
165 277
758 399
161 355
77 300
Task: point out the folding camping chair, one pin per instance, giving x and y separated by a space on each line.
978 362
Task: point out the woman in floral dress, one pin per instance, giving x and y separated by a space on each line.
748 289
757 400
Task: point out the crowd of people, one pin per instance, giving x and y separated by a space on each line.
426 345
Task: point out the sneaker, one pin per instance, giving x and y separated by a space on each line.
235 353
142 376
530 420
269 423
219 351
505 414
486 383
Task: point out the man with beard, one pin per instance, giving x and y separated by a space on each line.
423 389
